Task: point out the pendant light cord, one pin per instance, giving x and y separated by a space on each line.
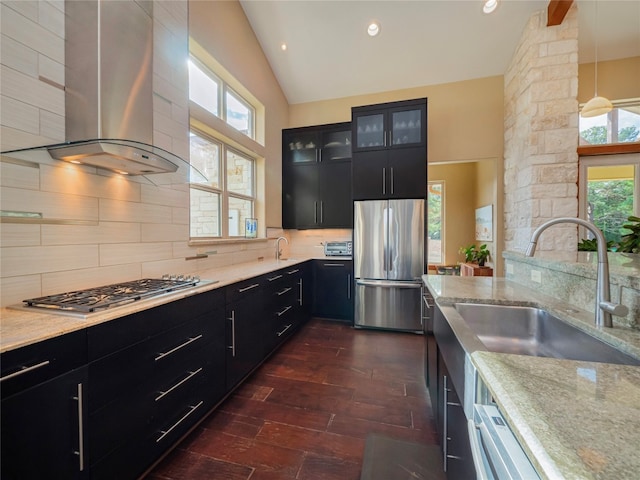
596 64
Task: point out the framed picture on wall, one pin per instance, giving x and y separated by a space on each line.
484 223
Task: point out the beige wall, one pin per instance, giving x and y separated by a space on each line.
459 197
223 30
465 119
617 79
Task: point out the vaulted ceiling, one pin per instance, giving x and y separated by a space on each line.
423 42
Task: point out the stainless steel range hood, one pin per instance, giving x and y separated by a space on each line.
109 92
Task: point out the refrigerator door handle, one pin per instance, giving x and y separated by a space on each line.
385 284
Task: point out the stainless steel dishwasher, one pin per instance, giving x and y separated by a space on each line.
496 452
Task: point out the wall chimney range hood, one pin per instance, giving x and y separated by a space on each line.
109 93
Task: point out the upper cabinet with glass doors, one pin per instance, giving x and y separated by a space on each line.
324 143
390 125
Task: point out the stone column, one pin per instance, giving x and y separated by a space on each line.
541 134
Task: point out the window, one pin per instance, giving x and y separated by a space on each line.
621 125
609 193
229 187
435 216
211 93
221 203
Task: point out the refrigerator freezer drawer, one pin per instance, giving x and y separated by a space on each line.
388 305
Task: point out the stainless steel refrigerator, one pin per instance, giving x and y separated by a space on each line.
389 252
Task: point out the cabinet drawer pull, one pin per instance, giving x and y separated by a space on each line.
285 329
182 345
445 435
24 369
80 451
232 347
240 290
283 291
333 264
284 311
291 272
185 379
301 290
192 408
274 278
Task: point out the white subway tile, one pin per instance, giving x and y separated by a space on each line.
19 115
70 280
51 18
30 90
18 261
50 69
153 232
16 289
52 125
18 56
51 205
73 179
19 235
30 33
164 196
17 176
119 211
106 232
124 253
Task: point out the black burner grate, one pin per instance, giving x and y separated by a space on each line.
99 298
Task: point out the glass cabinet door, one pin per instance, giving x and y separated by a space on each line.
302 147
406 127
336 145
370 130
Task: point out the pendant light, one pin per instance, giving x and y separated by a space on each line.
597 105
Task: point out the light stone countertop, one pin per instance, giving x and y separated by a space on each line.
575 420
23 327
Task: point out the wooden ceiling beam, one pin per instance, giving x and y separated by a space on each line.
557 10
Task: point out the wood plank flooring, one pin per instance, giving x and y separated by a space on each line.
305 414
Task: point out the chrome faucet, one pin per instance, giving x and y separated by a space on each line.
278 251
604 307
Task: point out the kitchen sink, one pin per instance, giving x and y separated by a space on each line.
536 332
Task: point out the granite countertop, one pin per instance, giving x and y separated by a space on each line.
24 327
575 420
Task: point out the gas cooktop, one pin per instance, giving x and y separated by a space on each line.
96 299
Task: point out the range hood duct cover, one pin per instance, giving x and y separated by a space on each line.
109 92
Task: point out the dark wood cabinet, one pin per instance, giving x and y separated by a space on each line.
448 411
393 125
333 289
107 401
390 150
43 430
44 409
246 317
147 371
316 177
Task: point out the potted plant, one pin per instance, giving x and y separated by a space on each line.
469 253
475 255
482 254
630 243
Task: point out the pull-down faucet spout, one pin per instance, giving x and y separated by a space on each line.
604 307
278 251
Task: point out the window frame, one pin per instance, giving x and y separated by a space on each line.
223 89
223 190
584 162
442 221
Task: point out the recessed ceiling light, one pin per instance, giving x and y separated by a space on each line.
373 29
283 46
490 6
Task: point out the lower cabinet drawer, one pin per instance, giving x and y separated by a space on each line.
149 421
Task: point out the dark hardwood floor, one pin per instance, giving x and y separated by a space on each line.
306 412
